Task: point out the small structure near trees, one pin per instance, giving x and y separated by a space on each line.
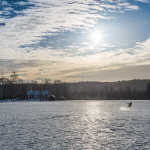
62 98
51 98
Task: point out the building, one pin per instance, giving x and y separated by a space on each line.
62 98
51 98
40 95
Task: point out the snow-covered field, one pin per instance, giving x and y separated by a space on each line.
15 100
101 125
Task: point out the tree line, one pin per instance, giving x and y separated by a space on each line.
108 93
14 87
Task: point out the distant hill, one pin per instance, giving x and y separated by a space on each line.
136 84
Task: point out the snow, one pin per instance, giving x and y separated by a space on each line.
74 125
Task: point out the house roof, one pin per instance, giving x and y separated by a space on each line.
30 92
37 92
45 92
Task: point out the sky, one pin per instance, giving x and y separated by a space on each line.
75 40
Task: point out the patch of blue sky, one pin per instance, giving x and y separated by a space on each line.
41 79
10 9
131 53
128 27
23 75
58 40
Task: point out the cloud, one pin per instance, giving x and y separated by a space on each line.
110 65
107 65
143 1
59 64
126 73
32 40
31 21
28 69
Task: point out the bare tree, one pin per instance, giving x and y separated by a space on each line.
47 81
14 77
57 81
33 81
3 81
15 80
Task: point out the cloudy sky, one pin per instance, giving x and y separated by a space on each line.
75 40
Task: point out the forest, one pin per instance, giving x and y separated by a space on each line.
14 87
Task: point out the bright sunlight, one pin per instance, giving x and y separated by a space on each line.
96 37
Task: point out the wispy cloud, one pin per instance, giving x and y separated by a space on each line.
111 65
38 39
143 1
31 21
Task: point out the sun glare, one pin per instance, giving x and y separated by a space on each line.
96 37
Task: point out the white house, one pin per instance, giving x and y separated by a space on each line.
41 95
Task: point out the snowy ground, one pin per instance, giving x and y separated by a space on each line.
9 100
69 125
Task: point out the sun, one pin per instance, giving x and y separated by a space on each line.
96 37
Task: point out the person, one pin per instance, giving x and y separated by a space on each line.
129 104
